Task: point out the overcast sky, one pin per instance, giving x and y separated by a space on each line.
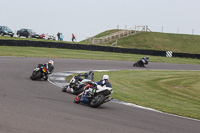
86 18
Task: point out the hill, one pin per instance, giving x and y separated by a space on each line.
179 43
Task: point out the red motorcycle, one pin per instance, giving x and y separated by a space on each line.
42 36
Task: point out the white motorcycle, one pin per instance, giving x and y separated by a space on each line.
75 86
94 94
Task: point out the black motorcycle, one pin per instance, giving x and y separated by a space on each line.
141 63
39 72
75 86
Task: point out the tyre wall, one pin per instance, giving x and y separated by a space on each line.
26 43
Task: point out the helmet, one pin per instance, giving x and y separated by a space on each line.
105 77
147 57
51 62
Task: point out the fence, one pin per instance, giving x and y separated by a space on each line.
119 34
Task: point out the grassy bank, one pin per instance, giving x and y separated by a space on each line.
179 43
175 92
83 54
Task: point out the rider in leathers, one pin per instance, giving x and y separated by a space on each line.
103 82
143 61
50 67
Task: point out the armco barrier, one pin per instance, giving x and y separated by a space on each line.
62 45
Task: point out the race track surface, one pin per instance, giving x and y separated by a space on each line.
40 107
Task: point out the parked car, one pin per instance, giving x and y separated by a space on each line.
4 30
28 33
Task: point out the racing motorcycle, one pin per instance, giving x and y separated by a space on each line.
141 63
94 95
39 72
75 86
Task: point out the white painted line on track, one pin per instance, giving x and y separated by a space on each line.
150 109
57 78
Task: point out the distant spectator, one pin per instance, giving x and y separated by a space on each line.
61 36
73 37
58 36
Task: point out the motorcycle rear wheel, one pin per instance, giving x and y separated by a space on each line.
97 100
79 90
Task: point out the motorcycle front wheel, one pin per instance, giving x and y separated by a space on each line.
135 64
36 75
97 100
78 98
64 88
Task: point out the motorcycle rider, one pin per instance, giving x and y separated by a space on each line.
50 67
74 85
105 81
143 61
146 59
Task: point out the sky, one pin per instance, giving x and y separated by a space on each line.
86 18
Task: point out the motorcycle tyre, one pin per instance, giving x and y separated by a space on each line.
77 99
64 89
135 65
36 76
79 91
94 103
46 78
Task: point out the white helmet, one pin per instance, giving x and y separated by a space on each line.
105 77
51 62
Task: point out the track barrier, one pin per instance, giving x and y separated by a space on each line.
63 45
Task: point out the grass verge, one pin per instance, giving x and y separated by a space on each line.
175 92
83 54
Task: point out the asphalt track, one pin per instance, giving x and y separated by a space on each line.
39 107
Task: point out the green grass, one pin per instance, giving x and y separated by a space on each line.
179 43
32 39
175 92
83 54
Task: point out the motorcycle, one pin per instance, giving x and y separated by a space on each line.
94 95
51 37
75 86
141 63
39 72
